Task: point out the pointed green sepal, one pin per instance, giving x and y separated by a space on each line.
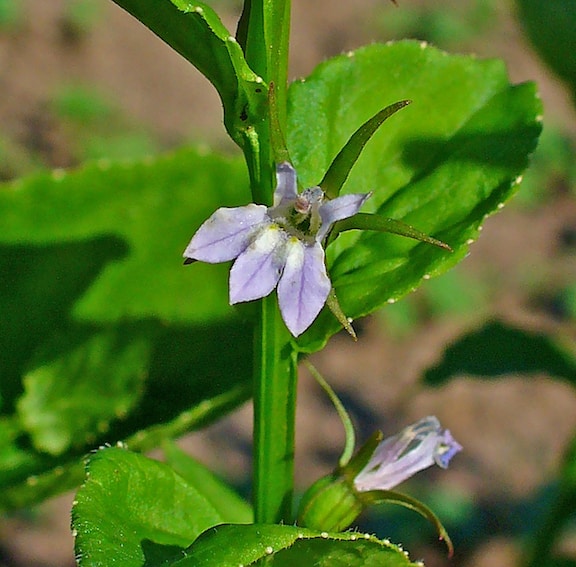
342 164
334 306
390 496
362 456
367 221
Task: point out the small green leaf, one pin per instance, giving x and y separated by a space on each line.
133 511
229 505
497 349
286 546
441 166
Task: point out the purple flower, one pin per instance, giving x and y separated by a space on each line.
397 458
278 246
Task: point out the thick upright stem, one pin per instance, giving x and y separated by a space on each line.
275 376
263 32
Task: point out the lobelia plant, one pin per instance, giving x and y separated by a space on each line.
178 359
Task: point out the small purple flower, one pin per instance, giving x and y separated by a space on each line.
397 458
278 246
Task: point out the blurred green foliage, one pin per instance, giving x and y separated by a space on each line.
443 24
553 168
80 17
96 128
10 15
550 25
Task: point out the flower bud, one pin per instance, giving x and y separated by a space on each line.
335 501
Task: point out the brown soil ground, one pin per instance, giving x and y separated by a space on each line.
513 430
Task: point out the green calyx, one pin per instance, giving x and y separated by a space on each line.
330 504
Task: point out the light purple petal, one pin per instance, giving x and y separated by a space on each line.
286 189
226 234
339 209
257 270
397 458
304 285
446 450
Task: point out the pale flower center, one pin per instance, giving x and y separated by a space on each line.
302 220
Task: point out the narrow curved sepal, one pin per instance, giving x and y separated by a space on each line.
334 306
367 221
393 497
342 413
342 164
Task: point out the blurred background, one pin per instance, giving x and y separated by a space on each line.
81 80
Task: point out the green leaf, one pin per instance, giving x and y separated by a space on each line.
287 546
441 165
497 349
134 511
99 378
105 335
550 26
229 505
195 31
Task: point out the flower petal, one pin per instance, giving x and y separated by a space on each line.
226 234
338 209
257 270
304 285
286 189
446 450
397 458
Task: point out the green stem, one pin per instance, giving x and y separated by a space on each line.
275 377
263 33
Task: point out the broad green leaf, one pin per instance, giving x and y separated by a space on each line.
550 25
497 349
105 242
287 546
28 476
105 335
71 399
441 165
195 31
229 505
133 511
